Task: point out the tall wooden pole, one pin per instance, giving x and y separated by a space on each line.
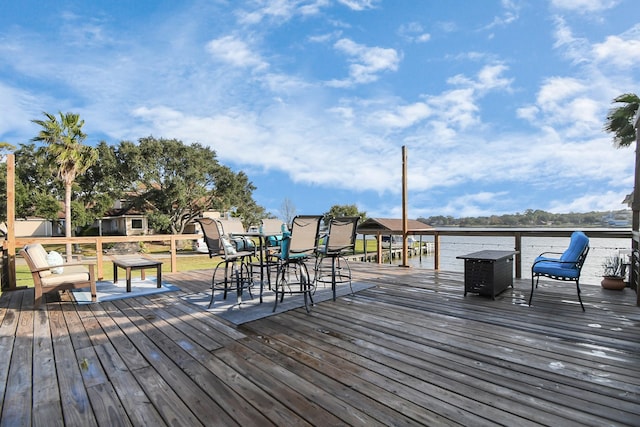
11 222
635 206
405 223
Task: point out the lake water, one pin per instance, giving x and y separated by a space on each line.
452 246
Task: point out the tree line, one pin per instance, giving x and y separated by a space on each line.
171 182
530 218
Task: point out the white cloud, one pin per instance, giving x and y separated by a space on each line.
359 4
236 52
17 112
583 6
366 62
557 89
402 116
510 15
622 51
414 32
281 10
593 202
488 78
576 49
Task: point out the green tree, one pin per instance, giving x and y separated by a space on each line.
37 191
100 186
64 139
620 119
175 183
343 210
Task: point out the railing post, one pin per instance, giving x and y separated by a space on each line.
100 271
518 249
11 218
174 256
436 251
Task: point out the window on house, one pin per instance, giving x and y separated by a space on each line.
136 223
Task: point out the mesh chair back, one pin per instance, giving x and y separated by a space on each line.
231 226
271 226
342 235
212 235
304 235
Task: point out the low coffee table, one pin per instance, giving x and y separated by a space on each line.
488 272
136 263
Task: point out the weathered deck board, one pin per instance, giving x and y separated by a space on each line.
411 350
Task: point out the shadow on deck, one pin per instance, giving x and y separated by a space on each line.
411 350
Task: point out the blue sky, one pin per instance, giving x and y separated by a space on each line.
500 104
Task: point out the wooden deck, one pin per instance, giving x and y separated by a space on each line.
409 351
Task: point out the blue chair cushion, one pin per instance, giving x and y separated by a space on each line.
243 244
274 241
579 241
555 268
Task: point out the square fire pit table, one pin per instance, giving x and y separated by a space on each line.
488 272
136 263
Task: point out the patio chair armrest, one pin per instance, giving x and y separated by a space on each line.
550 253
556 261
67 264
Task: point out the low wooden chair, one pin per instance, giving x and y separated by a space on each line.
74 275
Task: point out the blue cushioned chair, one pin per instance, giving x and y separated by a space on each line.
567 267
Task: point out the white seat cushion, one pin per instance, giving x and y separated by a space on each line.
39 258
72 274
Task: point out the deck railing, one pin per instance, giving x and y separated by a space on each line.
517 233
99 242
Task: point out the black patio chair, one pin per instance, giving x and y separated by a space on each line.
297 246
340 241
233 269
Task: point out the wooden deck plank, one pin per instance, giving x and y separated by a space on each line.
107 406
121 334
352 407
342 379
47 407
166 400
487 388
165 386
305 398
18 399
411 350
185 333
76 407
512 371
343 352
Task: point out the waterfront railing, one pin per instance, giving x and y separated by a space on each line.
435 246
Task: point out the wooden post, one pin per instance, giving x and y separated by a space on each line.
518 249
11 222
634 276
405 223
436 251
379 247
364 246
174 257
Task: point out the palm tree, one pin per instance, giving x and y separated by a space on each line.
620 120
65 139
